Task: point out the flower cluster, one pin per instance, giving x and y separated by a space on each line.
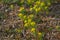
29 10
27 20
40 6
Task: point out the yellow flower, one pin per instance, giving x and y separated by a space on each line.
20 14
31 9
25 21
33 23
11 6
34 6
46 7
38 9
26 25
38 2
42 3
21 8
28 1
49 3
33 30
31 15
29 20
24 17
39 33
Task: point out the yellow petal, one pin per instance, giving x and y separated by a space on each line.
33 30
26 24
39 33
29 20
32 23
42 3
20 14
